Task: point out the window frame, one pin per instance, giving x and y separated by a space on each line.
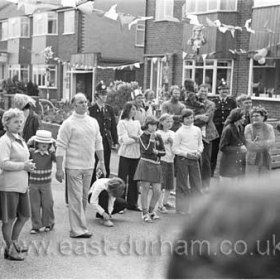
140 28
71 16
39 75
214 66
196 11
265 3
41 20
4 30
18 68
163 12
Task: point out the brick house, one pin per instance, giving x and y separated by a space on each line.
80 43
171 56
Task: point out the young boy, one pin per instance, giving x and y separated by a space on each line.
105 195
40 191
187 146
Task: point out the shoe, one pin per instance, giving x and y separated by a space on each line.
163 210
34 231
20 249
108 223
173 193
11 254
121 212
134 208
85 235
168 206
146 218
49 228
154 216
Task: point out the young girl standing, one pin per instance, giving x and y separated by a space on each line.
149 169
41 198
167 161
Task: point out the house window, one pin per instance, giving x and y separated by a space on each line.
4 31
24 27
201 6
261 3
140 34
264 78
19 72
45 75
52 23
158 75
45 23
208 72
164 9
69 22
18 27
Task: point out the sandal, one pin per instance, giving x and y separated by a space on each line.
34 231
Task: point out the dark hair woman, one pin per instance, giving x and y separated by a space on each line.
129 131
232 146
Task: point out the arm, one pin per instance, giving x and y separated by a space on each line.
123 134
251 143
200 143
114 131
94 200
160 148
270 142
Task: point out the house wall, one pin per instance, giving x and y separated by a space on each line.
164 37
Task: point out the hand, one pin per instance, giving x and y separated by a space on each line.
155 151
243 149
29 165
59 175
136 138
153 136
192 156
170 140
106 216
101 166
115 147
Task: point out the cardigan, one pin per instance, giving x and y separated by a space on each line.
14 153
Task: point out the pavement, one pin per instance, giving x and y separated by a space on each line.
131 249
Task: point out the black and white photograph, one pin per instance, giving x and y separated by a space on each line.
139 139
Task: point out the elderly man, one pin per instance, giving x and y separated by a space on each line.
78 140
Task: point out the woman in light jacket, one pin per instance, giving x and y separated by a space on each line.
260 138
14 198
129 131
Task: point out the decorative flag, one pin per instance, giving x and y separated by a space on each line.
210 22
193 19
112 13
248 26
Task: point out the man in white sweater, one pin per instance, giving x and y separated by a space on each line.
78 140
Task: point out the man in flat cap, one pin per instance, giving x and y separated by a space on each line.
104 114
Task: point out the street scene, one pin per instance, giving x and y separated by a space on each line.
139 139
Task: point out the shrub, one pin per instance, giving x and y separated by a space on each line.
119 93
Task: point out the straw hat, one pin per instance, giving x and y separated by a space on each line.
43 136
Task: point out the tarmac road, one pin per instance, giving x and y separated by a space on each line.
131 249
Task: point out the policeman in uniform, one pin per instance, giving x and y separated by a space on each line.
104 114
224 104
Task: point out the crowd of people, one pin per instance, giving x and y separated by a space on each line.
191 141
